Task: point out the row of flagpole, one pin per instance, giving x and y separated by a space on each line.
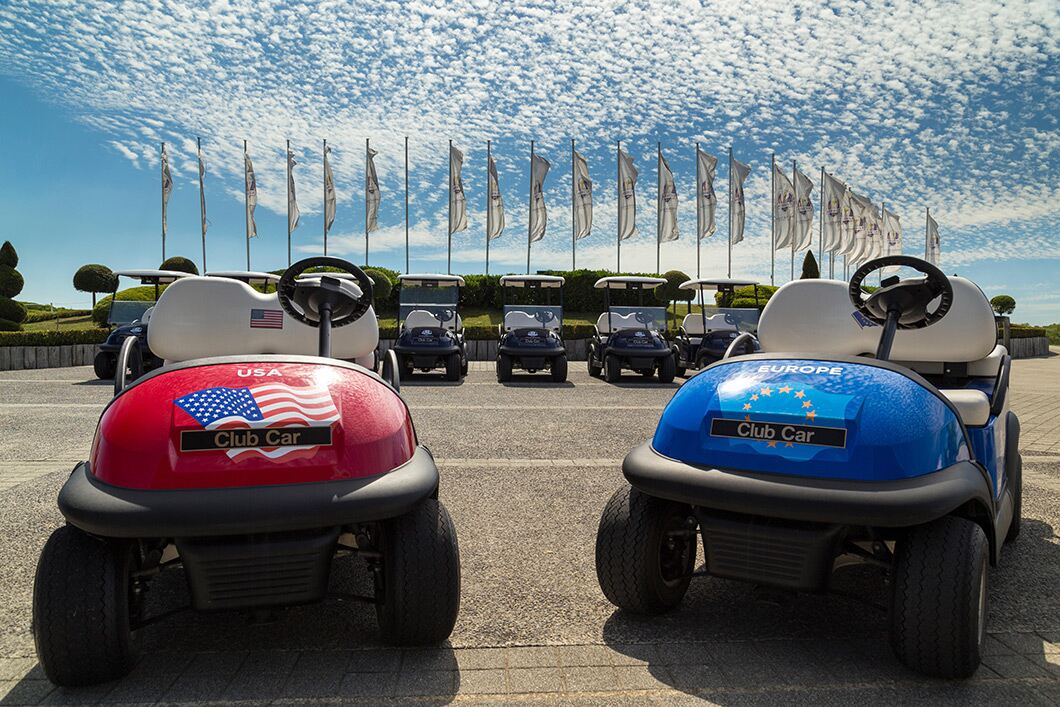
850 225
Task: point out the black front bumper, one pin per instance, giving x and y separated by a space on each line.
888 504
112 511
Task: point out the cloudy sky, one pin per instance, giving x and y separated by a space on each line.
947 105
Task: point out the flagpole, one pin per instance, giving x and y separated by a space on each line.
202 204
658 207
366 201
449 247
772 217
489 201
618 227
820 233
406 204
573 232
325 183
163 181
530 212
288 156
794 217
246 201
730 213
699 185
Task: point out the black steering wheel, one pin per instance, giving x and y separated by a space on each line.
302 298
544 316
909 298
644 317
731 320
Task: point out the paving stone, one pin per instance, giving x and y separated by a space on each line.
533 657
481 658
633 653
428 683
643 677
19 668
994 646
1014 666
590 679
584 655
535 680
331 661
428 659
377 661
692 653
1023 643
491 681
24 692
367 685
686 675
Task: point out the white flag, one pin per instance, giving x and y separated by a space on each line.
892 237
252 195
737 207
495 207
803 211
627 196
833 194
371 192
457 200
874 235
292 201
667 203
933 242
859 245
583 198
167 187
706 200
783 208
539 167
202 193
329 193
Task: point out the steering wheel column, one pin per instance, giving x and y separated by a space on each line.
325 300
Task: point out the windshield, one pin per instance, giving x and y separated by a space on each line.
638 317
126 312
517 316
739 318
429 295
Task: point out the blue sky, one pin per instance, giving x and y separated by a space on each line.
949 105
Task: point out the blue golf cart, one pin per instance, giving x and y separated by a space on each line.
531 335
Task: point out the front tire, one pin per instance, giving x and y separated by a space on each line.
105 365
645 552
83 609
939 605
667 369
612 369
452 367
1017 501
559 369
504 368
420 576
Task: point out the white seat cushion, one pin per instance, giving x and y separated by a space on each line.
693 323
516 319
608 323
425 318
198 317
145 318
817 317
972 405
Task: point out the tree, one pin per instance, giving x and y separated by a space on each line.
381 285
180 264
1003 304
671 290
810 270
11 313
95 278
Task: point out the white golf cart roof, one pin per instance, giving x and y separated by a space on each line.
716 283
153 277
629 282
532 281
248 276
430 280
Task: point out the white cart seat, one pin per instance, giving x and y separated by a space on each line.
201 317
693 324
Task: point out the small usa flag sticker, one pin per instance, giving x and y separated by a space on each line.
266 319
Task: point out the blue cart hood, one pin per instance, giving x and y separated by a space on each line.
824 419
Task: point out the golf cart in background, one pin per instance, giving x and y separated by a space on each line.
706 335
130 318
631 337
431 334
531 335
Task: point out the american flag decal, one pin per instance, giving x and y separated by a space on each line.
270 405
266 319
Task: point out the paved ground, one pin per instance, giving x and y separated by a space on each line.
526 471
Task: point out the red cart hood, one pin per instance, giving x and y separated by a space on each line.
251 424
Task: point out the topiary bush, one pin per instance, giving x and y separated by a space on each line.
6 325
810 269
180 264
8 256
1003 304
381 286
670 291
95 278
11 282
12 311
744 297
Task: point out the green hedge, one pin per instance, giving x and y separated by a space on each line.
1026 331
12 311
141 293
53 338
489 333
44 315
